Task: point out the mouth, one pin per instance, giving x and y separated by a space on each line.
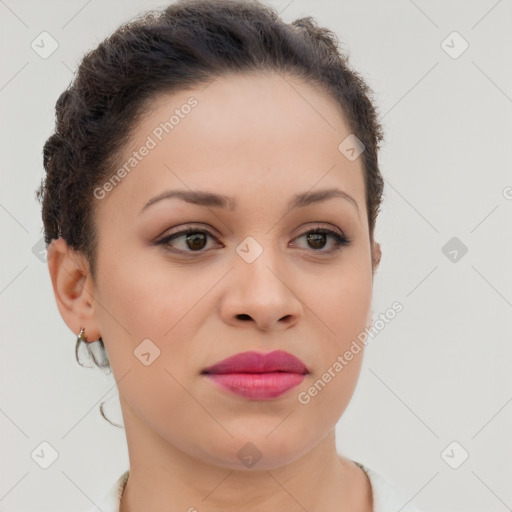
258 376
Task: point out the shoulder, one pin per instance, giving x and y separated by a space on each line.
387 496
110 500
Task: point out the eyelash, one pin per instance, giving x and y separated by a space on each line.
341 241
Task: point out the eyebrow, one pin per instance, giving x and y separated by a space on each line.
212 200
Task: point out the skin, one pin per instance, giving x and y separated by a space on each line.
260 139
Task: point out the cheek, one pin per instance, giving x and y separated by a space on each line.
144 300
344 302
341 307
150 308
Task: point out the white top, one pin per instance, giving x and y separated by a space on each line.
386 496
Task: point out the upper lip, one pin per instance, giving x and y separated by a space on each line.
256 362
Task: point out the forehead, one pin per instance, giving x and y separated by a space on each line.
259 103
261 132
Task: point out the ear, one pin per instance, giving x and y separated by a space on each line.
73 288
376 256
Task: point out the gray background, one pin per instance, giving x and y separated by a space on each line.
438 373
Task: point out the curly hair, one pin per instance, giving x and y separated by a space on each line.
188 43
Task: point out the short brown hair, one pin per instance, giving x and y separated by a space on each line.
188 43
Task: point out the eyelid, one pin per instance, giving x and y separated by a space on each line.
341 239
198 227
322 225
189 228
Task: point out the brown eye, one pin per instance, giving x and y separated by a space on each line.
318 238
187 240
196 241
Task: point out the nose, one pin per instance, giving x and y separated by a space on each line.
260 294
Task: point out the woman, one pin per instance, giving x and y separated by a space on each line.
211 195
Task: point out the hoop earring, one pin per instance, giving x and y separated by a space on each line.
81 336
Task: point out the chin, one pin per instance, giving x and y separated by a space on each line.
258 453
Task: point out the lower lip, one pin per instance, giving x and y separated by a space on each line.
259 386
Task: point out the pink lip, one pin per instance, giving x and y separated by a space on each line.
258 376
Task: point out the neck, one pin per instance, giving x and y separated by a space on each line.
162 477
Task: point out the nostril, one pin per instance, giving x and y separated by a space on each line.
243 316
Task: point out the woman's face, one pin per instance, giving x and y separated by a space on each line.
250 277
